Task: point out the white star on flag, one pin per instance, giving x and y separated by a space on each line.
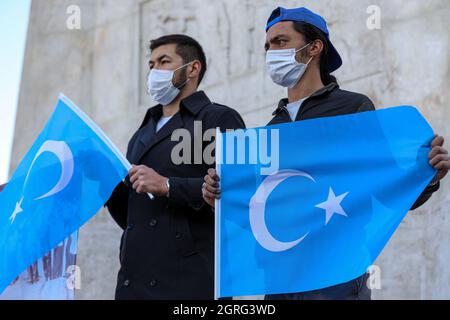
332 205
17 210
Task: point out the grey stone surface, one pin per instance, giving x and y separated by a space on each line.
102 67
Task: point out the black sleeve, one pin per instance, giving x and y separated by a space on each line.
118 205
426 194
188 191
366 105
230 119
118 202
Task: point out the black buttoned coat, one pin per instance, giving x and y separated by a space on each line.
167 246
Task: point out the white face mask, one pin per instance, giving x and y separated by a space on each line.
160 86
283 68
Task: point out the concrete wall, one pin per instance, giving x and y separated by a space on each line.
102 67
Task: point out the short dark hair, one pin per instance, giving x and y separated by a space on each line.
186 47
312 33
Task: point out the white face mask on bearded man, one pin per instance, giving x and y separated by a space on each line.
160 86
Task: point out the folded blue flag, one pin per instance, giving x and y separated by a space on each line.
322 213
65 178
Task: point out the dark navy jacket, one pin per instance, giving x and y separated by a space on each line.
167 246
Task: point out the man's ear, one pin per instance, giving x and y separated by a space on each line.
316 48
194 69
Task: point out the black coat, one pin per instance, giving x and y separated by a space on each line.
167 248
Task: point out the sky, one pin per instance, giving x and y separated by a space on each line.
13 31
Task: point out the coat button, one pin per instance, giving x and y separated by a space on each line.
131 226
178 235
126 283
197 206
153 223
153 283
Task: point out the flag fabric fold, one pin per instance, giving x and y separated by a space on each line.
340 190
64 179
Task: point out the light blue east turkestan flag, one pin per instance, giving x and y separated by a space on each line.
64 179
325 211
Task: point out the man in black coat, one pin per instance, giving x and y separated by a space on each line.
166 250
302 37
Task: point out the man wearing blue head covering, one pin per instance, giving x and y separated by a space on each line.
301 58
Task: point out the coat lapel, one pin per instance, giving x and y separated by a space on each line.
149 138
145 136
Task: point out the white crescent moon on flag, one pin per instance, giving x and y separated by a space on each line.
257 211
61 150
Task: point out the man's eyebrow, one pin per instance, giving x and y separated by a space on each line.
278 37
159 58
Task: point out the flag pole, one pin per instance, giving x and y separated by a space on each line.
217 219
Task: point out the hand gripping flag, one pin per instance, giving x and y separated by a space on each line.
65 178
320 217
